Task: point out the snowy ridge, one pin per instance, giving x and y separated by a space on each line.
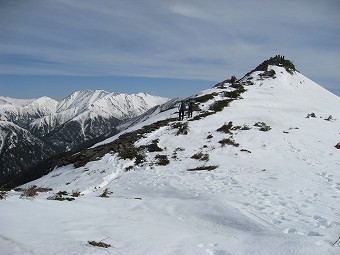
275 189
109 104
22 111
13 101
81 100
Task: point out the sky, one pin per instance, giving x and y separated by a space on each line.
168 48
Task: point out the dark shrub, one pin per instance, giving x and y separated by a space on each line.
201 116
3 194
133 153
62 193
226 128
311 115
278 60
240 88
99 244
154 146
330 118
268 74
129 168
202 168
182 127
140 158
219 105
105 193
229 141
179 149
162 160
263 126
76 193
245 127
232 94
60 196
32 191
244 150
201 156
205 98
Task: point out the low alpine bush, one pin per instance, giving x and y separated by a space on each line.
99 244
203 168
337 146
32 191
263 126
226 128
162 160
3 194
228 141
201 156
105 193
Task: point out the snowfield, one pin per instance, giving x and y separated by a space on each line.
277 192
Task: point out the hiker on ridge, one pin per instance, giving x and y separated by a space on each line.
181 110
191 107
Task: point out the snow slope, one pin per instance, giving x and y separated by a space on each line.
277 192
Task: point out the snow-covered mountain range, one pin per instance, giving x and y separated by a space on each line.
87 104
83 117
254 171
44 114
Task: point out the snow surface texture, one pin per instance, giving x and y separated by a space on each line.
278 192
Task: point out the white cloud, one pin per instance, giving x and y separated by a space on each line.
188 10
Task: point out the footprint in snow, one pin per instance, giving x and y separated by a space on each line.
276 222
290 231
321 222
209 249
312 233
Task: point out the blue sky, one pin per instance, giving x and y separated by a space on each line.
162 47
